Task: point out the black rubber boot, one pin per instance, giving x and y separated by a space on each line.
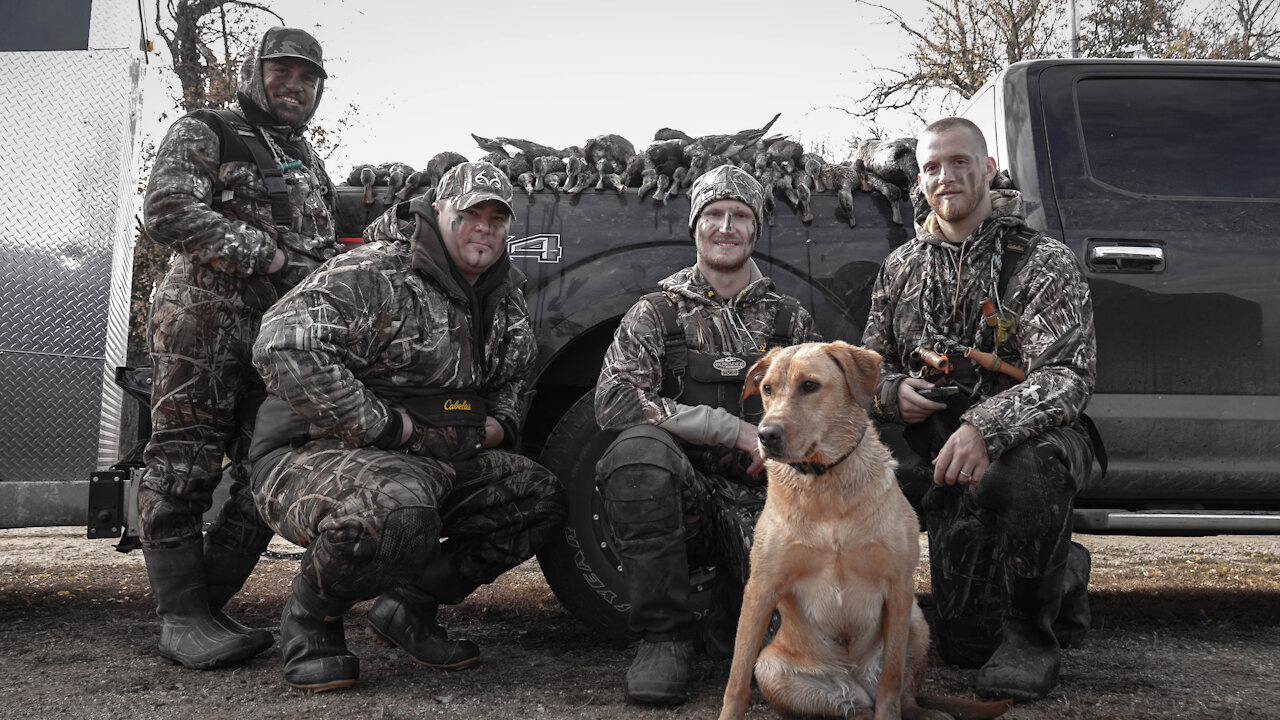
189 633
659 675
406 619
1025 665
225 572
1074 618
313 642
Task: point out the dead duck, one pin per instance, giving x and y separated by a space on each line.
843 179
648 182
440 163
889 167
672 134
396 173
544 166
555 180
812 164
732 144
786 153
664 156
586 177
366 175
608 153
525 180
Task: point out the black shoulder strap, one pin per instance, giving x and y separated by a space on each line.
1017 248
228 125
783 322
677 346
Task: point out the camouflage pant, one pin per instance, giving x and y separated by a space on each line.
1016 522
373 520
670 506
203 403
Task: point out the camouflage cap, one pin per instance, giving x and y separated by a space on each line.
279 42
725 182
472 183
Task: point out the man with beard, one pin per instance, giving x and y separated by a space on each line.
683 481
244 201
399 374
1009 446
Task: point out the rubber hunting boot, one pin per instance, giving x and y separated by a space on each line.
225 572
1025 665
1074 618
659 675
406 619
189 633
313 642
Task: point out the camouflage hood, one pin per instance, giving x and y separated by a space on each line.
1006 211
251 93
691 284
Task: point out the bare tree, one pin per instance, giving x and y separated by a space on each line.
201 40
1148 28
1240 30
959 46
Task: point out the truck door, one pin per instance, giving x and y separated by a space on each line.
1165 181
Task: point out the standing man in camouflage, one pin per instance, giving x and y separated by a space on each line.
241 238
1008 456
399 375
683 481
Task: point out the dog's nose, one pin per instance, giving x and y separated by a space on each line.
770 437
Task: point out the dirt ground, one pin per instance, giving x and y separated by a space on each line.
1182 628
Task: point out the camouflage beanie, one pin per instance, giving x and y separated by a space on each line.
721 183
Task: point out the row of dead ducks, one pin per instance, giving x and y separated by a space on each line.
668 167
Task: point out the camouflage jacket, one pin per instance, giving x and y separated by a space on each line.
628 391
217 215
1047 294
392 314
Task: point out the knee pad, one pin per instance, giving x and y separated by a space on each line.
644 446
410 536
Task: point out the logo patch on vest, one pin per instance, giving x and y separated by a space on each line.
457 405
729 366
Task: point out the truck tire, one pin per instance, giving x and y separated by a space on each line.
579 564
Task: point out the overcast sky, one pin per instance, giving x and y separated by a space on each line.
426 74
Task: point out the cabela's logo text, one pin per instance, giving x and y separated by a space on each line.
457 405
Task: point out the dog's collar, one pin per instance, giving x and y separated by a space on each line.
815 468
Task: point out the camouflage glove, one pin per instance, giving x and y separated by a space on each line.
450 444
262 291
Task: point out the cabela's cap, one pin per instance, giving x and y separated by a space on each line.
279 42
725 182
472 183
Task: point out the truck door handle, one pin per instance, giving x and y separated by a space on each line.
1125 258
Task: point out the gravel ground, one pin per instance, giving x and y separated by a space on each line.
1182 628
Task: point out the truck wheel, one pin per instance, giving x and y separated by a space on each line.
580 564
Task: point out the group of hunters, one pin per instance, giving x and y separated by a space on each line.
366 405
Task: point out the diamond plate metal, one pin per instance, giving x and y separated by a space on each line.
66 239
114 24
50 417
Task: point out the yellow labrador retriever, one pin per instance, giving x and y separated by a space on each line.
834 553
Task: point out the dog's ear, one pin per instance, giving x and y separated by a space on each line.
861 370
751 386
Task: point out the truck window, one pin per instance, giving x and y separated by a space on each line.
33 25
1165 136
